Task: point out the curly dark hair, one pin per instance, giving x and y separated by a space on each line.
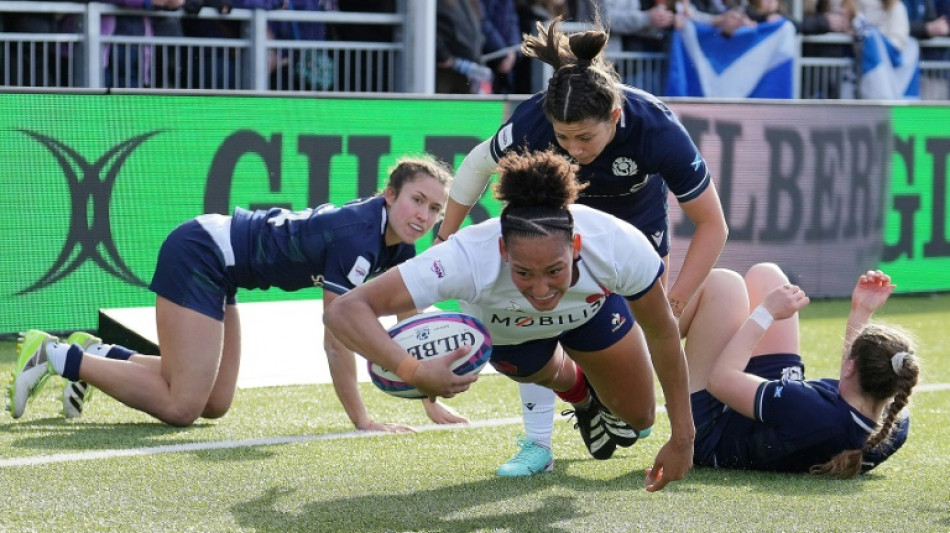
537 188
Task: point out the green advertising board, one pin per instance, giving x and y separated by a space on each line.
916 238
92 184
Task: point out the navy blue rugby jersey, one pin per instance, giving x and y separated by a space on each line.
798 424
292 250
650 152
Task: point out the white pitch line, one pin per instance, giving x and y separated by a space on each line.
274 441
228 444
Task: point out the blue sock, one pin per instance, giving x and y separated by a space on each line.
72 363
120 352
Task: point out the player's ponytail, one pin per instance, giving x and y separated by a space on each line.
584 85
537 188
887 368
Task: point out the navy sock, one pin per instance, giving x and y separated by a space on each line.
120 352
73 361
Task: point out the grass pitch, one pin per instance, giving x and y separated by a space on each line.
285 459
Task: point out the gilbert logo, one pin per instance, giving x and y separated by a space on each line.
90 185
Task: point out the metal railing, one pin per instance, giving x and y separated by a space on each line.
253 59
935 69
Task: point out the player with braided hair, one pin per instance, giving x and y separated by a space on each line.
631 150
558 286
751 405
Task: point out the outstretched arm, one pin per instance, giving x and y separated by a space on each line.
354 320
342 363
675 458
728 380
871 292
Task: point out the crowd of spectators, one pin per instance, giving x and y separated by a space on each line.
477 41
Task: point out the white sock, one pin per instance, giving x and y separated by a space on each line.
537 409
56 353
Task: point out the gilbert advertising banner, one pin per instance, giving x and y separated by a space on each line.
92 184
803 186
917 223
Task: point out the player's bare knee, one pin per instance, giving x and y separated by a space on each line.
724 281
638 416
765 277
643 420
216 409
180 415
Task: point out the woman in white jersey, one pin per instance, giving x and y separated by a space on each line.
558 286
634 153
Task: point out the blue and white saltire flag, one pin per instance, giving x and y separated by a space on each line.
756 62
886 72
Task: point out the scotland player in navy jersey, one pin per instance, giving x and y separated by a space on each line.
572 300
631 150
752 406
200 267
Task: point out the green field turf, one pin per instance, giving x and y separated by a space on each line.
285 459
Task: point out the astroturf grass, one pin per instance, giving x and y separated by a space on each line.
442 479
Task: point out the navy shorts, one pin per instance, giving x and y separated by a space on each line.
713 418
611 323
658 233
192 271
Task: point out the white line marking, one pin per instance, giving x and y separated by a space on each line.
273 441
228 444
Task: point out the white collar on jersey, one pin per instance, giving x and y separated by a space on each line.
857 420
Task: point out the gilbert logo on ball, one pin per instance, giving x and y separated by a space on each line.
431 336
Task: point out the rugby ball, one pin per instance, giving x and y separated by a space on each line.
430 336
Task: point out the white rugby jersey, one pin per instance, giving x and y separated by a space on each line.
615 257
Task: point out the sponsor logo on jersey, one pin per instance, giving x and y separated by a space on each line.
778 391
285 214
91 184
657 237
616 321
624 166
591 298
640 184
360 270
793 373
438 269
574 317
505 137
